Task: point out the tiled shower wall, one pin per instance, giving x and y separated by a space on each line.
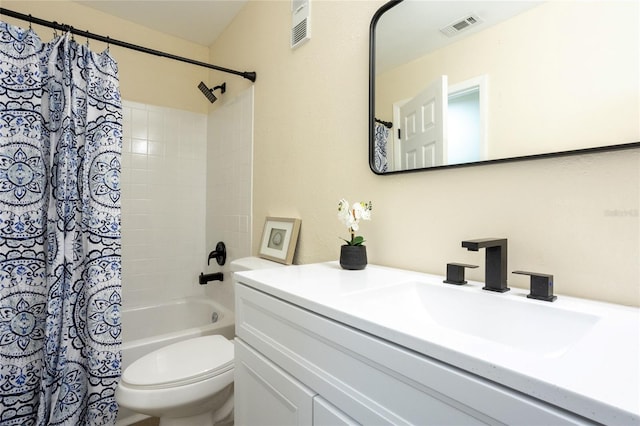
230 160
164 174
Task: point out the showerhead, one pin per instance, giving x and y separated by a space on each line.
209 92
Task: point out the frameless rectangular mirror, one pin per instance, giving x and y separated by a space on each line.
455 83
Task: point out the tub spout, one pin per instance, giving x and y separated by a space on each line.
205 278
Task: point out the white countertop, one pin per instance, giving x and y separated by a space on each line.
596 376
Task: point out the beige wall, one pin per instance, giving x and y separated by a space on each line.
143 77
583 68
575 217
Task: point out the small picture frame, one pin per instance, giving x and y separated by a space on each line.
279 239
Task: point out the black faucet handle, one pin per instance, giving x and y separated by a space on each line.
455 273
219 254
541 286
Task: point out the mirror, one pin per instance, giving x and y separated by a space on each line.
455 83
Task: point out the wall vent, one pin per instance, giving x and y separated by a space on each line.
300 22
460 25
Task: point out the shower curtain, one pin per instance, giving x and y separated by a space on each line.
60 145
381 138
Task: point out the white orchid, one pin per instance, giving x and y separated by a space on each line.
350 216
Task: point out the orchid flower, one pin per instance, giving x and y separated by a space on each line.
350 216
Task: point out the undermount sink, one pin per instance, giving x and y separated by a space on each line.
469 312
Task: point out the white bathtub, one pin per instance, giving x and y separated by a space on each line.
147 328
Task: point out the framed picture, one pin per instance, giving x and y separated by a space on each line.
279 239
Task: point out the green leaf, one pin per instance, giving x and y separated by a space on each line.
357 241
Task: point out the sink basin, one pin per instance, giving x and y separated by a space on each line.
539 328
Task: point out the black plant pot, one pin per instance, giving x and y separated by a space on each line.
353 257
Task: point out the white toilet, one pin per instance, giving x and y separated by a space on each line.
189 383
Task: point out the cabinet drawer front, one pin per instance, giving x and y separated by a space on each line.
265 394
374 381
325 414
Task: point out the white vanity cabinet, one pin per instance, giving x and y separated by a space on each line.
297 367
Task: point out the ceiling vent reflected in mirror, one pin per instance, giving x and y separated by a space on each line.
460 25
300 22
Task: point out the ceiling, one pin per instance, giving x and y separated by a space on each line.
412 29
200 21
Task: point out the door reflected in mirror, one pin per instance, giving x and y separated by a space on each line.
469 82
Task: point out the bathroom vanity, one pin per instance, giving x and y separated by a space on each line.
324 346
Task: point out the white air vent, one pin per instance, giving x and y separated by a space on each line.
460 25
300 22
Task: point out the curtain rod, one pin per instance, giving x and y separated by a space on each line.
387 124
249 75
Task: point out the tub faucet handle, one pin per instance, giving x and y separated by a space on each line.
219 254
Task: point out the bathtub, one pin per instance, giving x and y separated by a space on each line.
147 328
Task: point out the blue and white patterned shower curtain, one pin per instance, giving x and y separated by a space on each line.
381 138
60 275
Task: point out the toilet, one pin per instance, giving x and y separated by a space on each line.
190 382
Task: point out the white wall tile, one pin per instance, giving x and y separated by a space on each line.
139 119
139 146
155 128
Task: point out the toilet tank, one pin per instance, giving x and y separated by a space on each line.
252 263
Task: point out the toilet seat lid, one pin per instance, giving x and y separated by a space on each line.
187 361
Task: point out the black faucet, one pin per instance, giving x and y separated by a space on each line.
495 261
205 278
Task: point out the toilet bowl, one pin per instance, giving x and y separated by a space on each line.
190 382
186 383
